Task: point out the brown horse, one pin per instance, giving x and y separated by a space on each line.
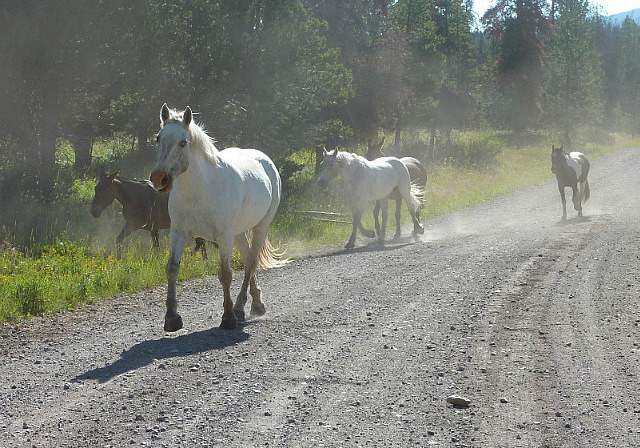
142 207
417 173
571 170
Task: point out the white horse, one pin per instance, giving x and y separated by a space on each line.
220 196
366 181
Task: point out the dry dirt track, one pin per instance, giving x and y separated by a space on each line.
537 323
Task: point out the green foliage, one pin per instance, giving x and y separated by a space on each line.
574 78
478 150
64 274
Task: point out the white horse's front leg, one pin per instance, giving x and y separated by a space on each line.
225 246
172 320
357 216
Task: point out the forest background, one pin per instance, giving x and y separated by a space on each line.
83 83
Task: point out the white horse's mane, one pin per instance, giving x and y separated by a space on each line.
349 157
198 137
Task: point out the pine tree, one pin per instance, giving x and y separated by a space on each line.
519 25
575 77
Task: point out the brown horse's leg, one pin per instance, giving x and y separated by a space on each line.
576 198
564 202
225 245
155 240
200 246
398 217
126 231
172 320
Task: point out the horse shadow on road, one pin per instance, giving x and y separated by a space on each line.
145 353
374 246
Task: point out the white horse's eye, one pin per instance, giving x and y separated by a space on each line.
183 143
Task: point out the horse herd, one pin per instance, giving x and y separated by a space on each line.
230 197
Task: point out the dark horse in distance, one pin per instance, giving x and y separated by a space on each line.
571 170
142 207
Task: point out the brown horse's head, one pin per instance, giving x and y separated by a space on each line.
557 158
105 193
375 150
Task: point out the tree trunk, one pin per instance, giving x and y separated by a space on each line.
47 147
142 136
82 148
397 139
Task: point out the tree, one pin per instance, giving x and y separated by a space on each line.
519 25
630 74
574 79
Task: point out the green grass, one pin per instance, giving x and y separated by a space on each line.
41 273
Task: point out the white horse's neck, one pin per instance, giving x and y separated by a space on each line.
201 142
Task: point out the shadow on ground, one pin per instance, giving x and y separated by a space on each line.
144 353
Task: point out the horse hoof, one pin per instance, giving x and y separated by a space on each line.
418 230
229 322
258 310
350 245
396 236
172 323
239 313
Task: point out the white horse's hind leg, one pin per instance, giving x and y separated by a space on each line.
250 259
242 244
398 218
172 320
225 246
384 204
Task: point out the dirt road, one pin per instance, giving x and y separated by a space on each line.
535 322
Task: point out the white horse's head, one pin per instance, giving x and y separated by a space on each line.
173 147
328 169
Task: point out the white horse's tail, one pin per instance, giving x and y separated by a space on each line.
417 195
270 257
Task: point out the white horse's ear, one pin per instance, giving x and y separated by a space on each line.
324 151
164 113
335 152
187 117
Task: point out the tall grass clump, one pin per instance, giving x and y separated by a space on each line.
64 274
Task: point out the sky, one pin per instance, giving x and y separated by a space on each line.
608 6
